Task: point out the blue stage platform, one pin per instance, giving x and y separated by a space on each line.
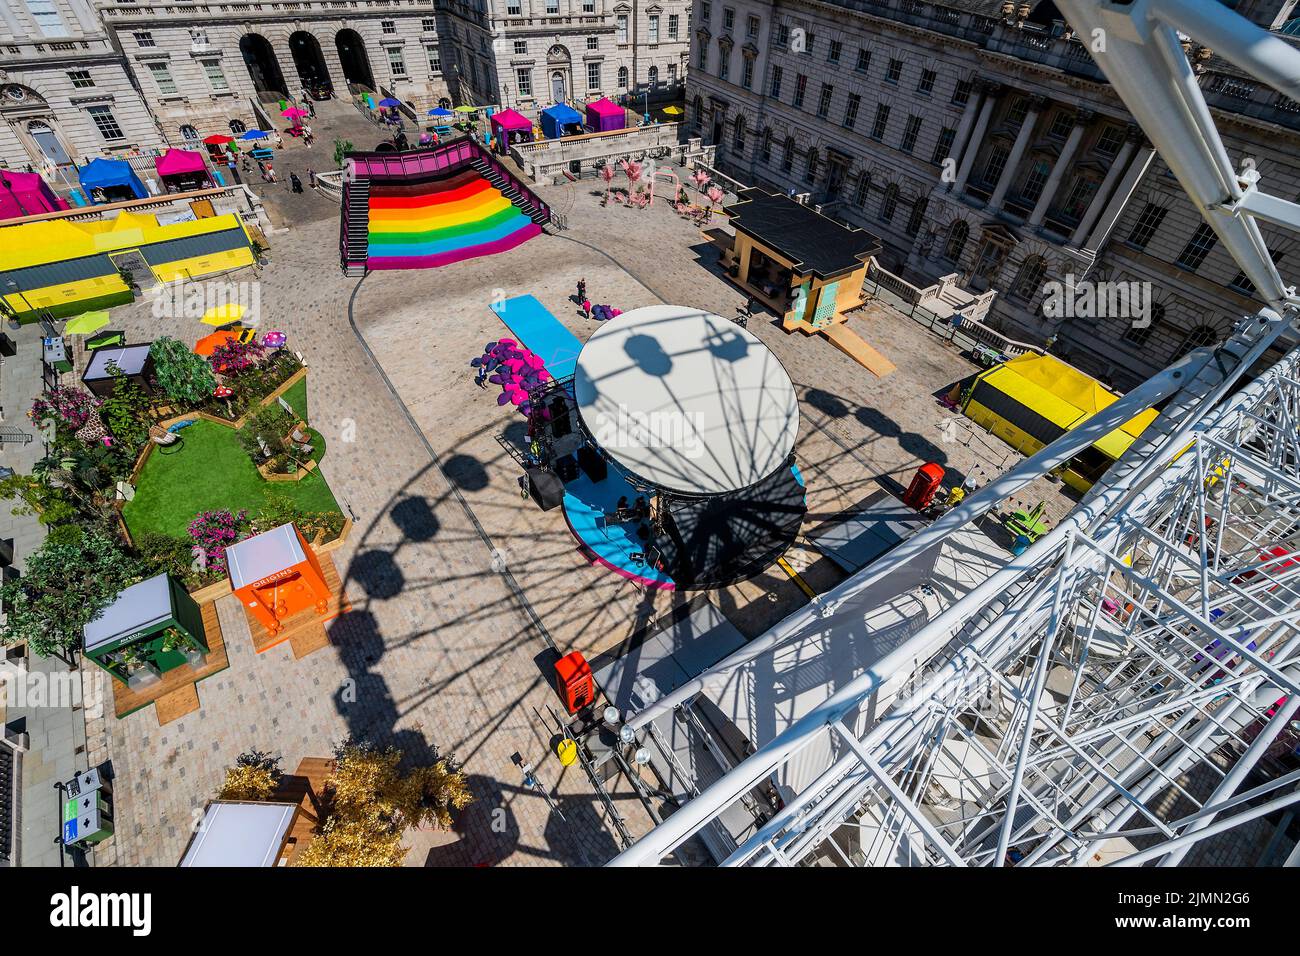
541 333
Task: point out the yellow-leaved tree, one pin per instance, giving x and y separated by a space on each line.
254 776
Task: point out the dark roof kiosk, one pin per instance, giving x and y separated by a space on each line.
133 361
151 627
782 245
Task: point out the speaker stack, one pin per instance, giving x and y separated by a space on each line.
592 463
566 468
546 489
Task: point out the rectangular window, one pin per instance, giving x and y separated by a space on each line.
926 84
80 79
943 147
672 26
962 91
1019 110
910 133
435 59
397 64
864 61
1035 181
706 12
388 27
105 122
593 43
1147 224
1110 140
620 28
747 73
163 77
775 90
514 10
824 101
863 189
216 78
1243 285
653 32
672 73
800 87
521 46
724 62
552 8
851 111
728 19
881 122
1062 123
993 168
144 39
593 76
895 71
782 34
1076 203
751 27
429 25
836 49
703 64
524 79
1198 247
588 6
47 18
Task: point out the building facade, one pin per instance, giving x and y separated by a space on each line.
980 138
65 92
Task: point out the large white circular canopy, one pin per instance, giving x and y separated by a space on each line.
686 400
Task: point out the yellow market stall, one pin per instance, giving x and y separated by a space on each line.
1033 399
69 267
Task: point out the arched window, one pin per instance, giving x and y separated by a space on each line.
953 246
698 110
1199 337
622 77
787 154
810 174
863 189
917 216
1029 280
738 135
889 204
1138 331
654 77
765 146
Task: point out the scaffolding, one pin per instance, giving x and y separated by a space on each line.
1119 692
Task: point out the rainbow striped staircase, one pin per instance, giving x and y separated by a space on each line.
422 209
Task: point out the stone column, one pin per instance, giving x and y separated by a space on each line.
1115 208
1017 153
1098 203
964 127
977 137
1082 119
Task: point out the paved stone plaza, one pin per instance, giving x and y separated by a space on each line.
457 586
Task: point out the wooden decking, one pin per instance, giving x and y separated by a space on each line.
304 787
176 694
305 630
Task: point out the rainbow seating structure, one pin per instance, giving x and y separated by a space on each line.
428 208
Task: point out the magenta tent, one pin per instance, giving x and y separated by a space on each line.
603 116
182 169
26 194
509 127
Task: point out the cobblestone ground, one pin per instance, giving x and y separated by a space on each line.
442 648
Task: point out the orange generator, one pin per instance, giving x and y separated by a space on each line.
276 575
573 681
924 486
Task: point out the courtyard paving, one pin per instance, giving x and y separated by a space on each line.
460 593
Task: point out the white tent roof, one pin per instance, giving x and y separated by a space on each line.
686 400
240 834
136 608
263 554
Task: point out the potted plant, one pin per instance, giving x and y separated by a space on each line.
177 640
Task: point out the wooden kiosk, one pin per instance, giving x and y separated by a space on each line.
806 267
284 587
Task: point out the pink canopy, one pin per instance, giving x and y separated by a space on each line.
604 115
26 194
176 161
510 120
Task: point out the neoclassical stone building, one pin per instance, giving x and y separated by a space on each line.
65 93
990 145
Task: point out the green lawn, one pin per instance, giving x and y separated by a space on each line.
210 471
296 396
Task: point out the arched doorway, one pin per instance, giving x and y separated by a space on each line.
263 67
49 143
558 63
308 60
352 57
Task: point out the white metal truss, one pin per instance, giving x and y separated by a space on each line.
1117 693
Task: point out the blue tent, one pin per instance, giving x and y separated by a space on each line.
115 177
560 120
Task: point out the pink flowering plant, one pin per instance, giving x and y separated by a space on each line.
236 357
66 407
214 531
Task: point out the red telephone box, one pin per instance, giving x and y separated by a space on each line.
573 681
924 485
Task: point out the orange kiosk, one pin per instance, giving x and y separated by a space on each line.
277 576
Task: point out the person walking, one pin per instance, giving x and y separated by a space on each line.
270 174
481 378
311 178
582 289
586 308
279 140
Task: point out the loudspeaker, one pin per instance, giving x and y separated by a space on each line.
560 424
592 464
547 490
566 468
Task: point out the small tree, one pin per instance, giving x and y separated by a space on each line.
255 776
126 411
67 584
341 147
184 376
265 427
